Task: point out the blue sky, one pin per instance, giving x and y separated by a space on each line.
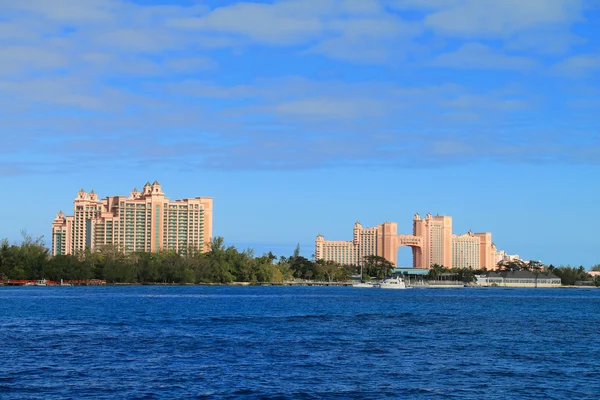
303 116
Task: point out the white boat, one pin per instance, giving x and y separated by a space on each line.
41 282
393 283
363 285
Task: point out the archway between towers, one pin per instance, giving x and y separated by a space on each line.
412 241
391 241
405 256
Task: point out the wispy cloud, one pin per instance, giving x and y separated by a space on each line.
494 18
283 84
579 65
478 56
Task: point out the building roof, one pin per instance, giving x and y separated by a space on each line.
411 271
521 275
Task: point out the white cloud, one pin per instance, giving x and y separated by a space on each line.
534 26
138 40
579 66
332 108
190 64
543 41
356 50
20 31
384 26
501 18
280 23
351 30
71 11
478 56
14 58
380 40
362 7
144 76
327 103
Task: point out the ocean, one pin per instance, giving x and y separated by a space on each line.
193 342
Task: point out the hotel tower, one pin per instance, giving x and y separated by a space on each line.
432 242
145 221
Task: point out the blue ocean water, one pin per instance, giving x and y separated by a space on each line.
150 342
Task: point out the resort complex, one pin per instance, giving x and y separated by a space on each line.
432 242
145 221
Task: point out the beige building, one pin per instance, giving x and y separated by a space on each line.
502 256
365 241
432 242
145 221
473 250
465 250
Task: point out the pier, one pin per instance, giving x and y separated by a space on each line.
45 282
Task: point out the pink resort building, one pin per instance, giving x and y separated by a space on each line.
145 221
473 250
432 242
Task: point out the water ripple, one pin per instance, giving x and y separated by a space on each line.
298 343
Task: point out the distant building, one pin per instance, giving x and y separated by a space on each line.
365 242
145 221
436 241
524 279
502 257
432 242
465 251
473 250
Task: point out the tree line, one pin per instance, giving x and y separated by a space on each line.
31 260
569 276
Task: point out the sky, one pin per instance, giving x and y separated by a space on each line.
301 117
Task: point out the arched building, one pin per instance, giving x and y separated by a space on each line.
432 242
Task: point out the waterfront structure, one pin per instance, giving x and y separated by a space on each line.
145 221
432 243
523 279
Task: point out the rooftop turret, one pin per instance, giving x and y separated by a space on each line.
81 195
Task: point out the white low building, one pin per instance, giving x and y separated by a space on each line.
524 279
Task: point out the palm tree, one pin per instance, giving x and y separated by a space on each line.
378 266
435 271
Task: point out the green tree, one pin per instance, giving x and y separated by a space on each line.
569 275
435 272
377 266
302 267
466 275
285 269
328 268
515 265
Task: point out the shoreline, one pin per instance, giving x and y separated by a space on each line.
306 283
